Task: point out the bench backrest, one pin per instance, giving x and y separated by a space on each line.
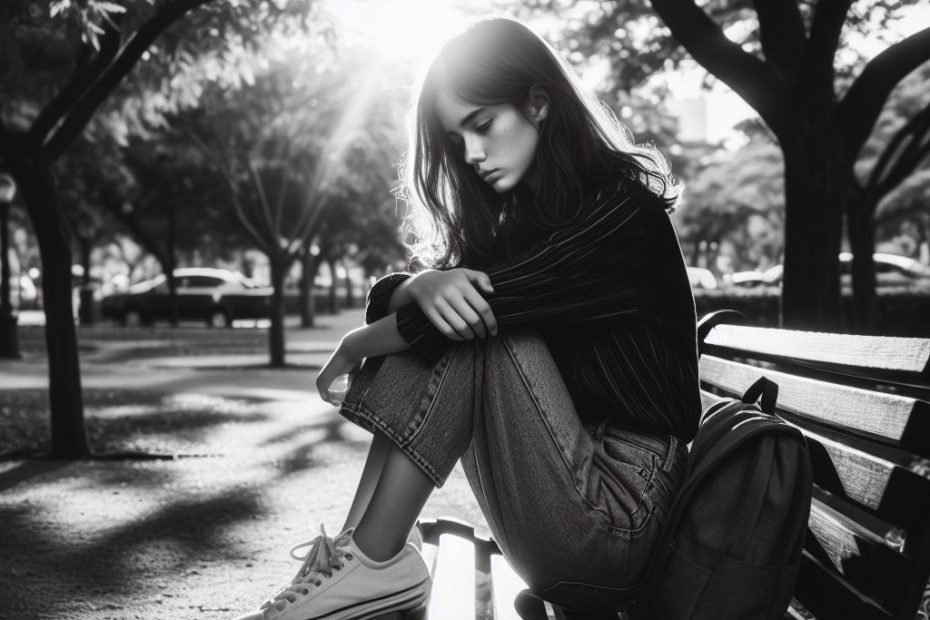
863 402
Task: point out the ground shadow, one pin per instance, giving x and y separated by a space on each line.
122 563
127 424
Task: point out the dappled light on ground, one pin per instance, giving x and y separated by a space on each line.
261 462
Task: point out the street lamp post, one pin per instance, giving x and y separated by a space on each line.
9 344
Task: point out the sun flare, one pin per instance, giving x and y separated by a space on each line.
399 30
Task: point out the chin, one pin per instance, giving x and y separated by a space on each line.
503 185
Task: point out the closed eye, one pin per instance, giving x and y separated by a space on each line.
483 127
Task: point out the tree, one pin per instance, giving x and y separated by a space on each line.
59 69
898 145
737 198
298 140
782 60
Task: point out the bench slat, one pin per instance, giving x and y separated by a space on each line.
907 355
894 485
894 418
453 593
829 597
506 584
860 555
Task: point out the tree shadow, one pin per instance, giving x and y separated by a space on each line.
123 563
301 457
128 424
28 470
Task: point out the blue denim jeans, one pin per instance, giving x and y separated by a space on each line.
576 508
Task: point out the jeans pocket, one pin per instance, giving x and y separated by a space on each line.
622 477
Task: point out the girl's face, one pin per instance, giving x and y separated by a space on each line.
496 140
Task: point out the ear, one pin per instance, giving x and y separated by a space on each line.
538 103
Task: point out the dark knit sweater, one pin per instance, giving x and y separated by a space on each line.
610 295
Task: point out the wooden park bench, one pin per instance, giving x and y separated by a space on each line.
863 402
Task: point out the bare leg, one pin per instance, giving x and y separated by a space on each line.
399 496
371 473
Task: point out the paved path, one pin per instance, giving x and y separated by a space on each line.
198 537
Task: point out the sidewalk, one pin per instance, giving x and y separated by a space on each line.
203 536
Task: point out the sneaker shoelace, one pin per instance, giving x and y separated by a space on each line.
324 556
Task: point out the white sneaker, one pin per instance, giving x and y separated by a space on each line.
337 581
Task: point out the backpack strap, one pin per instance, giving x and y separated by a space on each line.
767 389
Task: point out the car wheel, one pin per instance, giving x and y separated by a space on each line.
132 318
218 318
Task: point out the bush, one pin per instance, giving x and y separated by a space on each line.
901 311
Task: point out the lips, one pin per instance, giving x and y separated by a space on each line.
489 173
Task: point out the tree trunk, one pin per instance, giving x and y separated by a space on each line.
861 231
350 297
923 225
170 266
276 344
308 268
34 176
333 299
815 195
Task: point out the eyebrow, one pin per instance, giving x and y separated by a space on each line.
468 117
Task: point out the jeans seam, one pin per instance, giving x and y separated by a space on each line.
542 417
429 409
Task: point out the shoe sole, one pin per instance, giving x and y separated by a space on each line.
406 600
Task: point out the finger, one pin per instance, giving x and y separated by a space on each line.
463 307
440 323
321 388
481 279
483 309
453 318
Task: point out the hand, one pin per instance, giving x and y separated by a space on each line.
342 362
451 302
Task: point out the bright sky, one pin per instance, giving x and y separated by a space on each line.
403 29
414 30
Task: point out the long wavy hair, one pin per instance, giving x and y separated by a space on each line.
459 220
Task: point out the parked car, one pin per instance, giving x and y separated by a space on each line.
890 270
745 279
216 296
701 278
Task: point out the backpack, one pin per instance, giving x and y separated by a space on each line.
732 543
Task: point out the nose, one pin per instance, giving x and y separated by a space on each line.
474 151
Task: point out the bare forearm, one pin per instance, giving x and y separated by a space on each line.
401 296
378 338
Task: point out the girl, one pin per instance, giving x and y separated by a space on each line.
551 346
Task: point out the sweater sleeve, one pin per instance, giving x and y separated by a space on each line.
585 273
379 296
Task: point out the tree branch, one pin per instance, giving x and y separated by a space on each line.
143 38
827 24
859 109
142 236
906 161
270 249
273 231
909 135
754 80
781 32
84 77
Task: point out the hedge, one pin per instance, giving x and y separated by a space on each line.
900 311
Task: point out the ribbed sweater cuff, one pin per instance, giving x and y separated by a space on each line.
425 341
379 297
